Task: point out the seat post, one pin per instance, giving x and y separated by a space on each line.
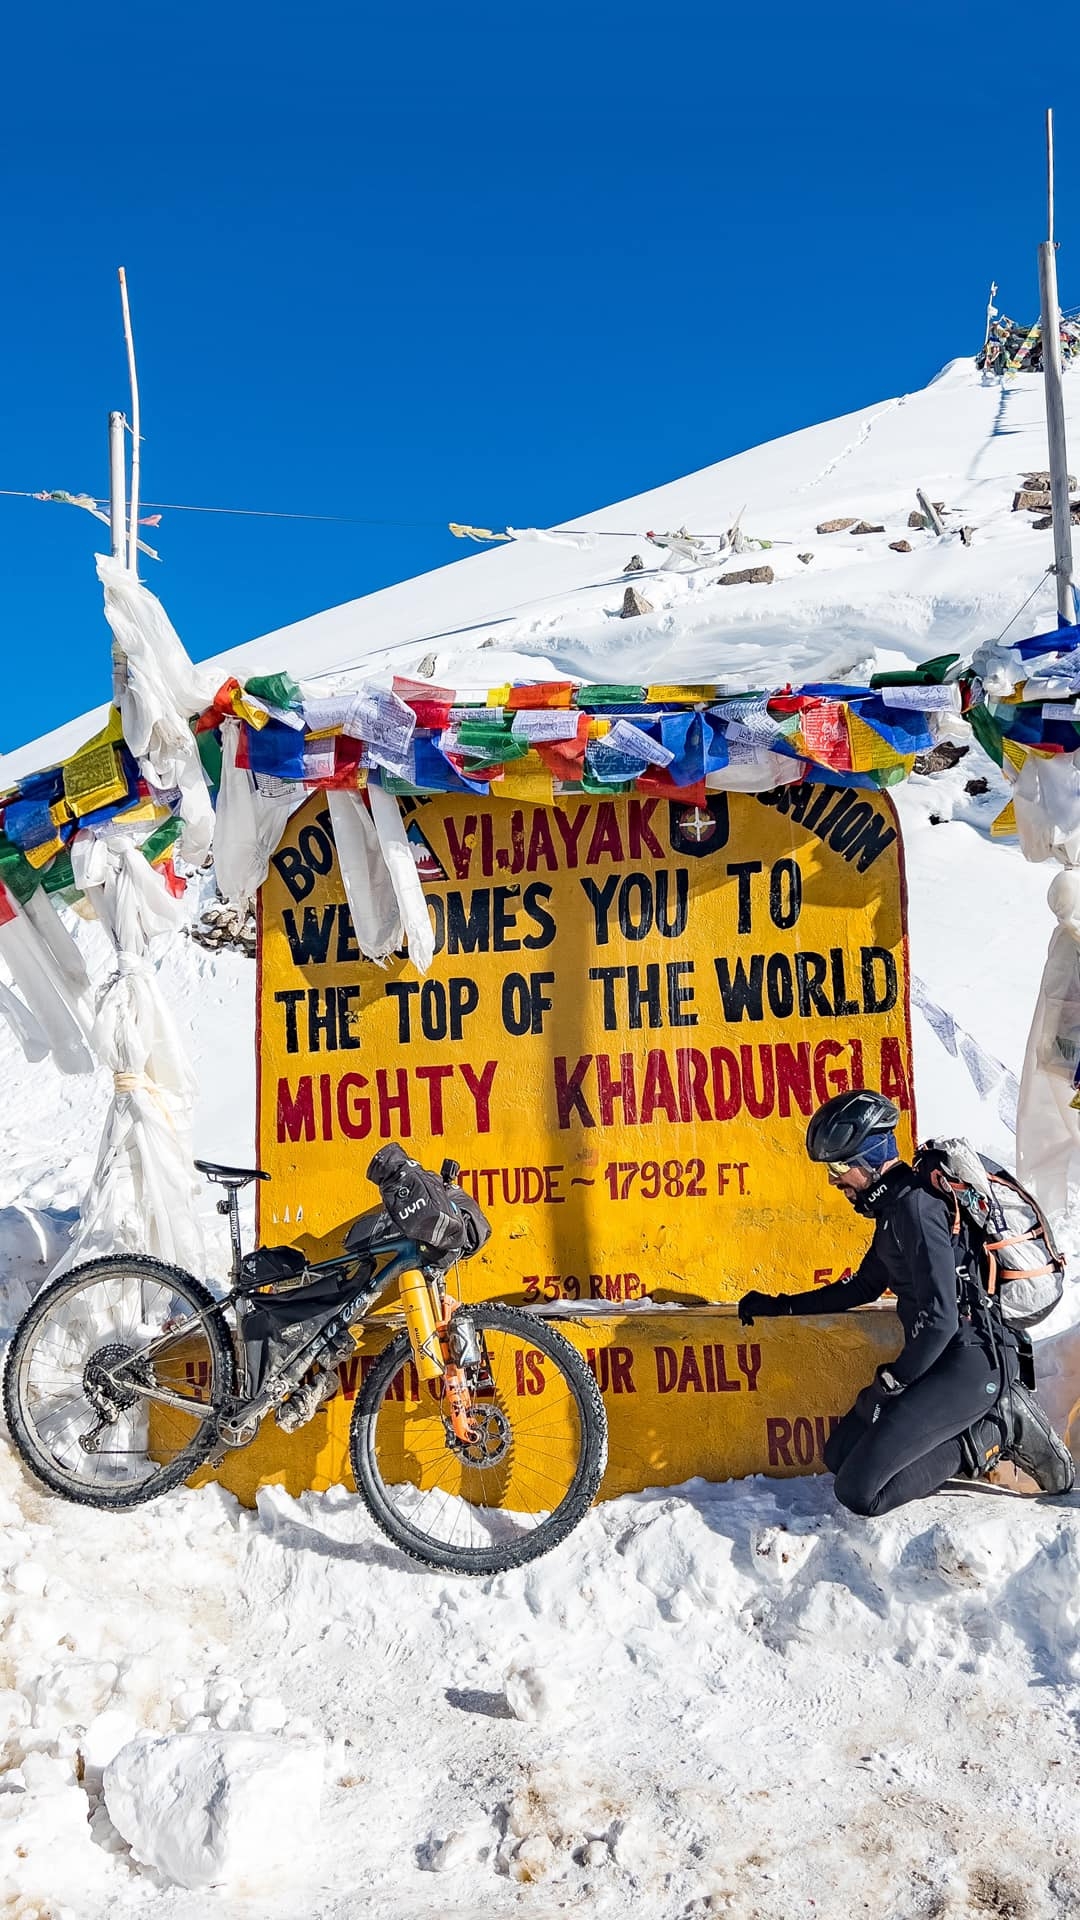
230 1206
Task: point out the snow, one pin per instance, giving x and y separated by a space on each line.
712 1699
210 1808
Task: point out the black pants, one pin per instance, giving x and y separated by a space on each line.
912 1447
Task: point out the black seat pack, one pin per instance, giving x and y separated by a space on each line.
426 1208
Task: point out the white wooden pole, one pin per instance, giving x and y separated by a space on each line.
1054 398
136 443
991 312
117 485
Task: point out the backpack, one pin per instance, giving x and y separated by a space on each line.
1023 1267
427 1207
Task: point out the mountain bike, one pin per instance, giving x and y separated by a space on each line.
478 1438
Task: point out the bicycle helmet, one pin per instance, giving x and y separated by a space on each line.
848 1122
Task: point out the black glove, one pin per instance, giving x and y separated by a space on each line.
882 1388
762 1306
867 1403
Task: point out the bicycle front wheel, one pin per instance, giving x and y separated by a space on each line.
521 1487
82 1369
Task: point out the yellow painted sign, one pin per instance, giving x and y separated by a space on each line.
687 1392
633 1010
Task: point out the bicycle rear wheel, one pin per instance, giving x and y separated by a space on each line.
527 1481
80 1352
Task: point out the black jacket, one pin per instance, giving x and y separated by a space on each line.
913 1252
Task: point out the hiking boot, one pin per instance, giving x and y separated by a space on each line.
982 1446
1032 1445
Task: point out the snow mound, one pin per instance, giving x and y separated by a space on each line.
213 1808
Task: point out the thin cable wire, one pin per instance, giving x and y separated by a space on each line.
346 519
1020 610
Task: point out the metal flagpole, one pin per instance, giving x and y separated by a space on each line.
1055 404
136 443
117 485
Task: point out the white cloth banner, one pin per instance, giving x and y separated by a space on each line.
922 699
984 1071
385 725
158 691
368 888
404 877
54 989
250 823
28 1031
942 1023
1047 1123
542 723
758 773
1047 802
143 1194
627 738
548 537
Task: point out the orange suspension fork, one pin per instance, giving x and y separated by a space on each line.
427 1317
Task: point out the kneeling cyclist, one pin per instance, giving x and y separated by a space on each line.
952 1403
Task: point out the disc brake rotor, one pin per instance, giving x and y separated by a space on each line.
491 1442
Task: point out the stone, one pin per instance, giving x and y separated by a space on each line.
634 603
900 546
635 564
1028 501
1047 520
979 785
940 758
918 520
1041 480
222 925
806 558
748 577
865 526
836 526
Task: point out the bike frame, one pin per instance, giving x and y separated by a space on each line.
428 1308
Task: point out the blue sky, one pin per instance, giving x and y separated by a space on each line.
419 263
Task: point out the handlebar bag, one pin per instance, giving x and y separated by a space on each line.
423 1206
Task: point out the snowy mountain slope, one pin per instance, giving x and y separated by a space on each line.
537 608
713 1700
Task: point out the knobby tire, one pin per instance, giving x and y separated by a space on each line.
571 1509
175 1472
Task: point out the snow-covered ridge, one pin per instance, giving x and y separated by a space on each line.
535 609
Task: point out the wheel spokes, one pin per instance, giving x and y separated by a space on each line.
81 1371
530 1448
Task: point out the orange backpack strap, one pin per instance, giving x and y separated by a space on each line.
1057 1260
991 1270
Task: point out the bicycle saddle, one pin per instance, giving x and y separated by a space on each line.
230 1176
